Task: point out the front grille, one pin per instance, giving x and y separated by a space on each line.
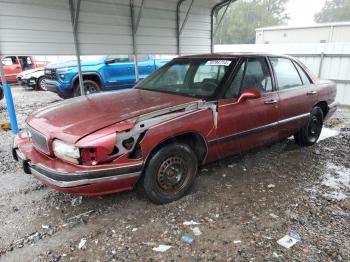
38 139
50 73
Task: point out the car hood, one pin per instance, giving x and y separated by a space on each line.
75 118
72 64
30 71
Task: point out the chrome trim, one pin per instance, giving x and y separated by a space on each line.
294 118
35 136
255 130
82 182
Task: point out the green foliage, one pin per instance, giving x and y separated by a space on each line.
244 16
334 11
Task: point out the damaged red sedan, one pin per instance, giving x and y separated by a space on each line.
192 111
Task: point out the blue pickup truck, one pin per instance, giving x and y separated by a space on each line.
99 73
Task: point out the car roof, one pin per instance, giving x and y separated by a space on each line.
233 55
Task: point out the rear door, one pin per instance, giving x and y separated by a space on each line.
11 67
296 93
251 123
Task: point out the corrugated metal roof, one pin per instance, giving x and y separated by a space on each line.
43 27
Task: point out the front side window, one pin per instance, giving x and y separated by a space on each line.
253 73
286 74
195 78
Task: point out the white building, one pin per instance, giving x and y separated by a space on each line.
319 33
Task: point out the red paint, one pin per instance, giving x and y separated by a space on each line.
103 188
11 71
93 121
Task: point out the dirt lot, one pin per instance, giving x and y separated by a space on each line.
244 205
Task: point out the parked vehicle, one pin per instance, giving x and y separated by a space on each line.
13 65
34 78
99 74
192 111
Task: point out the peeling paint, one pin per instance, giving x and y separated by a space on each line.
144 122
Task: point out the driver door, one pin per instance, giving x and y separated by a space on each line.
252 122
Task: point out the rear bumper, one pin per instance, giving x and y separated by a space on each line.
76 179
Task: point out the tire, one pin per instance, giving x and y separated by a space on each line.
309 134
90 87
170 173
1 93
41 84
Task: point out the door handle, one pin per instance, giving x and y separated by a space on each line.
311 93
270 102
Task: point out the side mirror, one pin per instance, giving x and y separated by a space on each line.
109 61
249 94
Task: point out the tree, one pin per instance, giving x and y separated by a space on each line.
334 11
244 16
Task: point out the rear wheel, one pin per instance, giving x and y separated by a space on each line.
170 173
90 87
309 134
41 84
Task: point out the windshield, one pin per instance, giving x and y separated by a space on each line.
195 78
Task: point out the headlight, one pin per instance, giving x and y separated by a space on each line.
65 69
66 151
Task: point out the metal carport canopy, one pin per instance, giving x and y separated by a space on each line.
105 27
43 27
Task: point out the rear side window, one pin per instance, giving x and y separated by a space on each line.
304 77
286 74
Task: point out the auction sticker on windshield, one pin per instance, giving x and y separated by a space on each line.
218 62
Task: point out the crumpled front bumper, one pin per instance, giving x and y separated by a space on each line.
75 179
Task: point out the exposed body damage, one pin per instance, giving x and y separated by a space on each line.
169 124
145 122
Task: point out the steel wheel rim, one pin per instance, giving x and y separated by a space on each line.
90 88
172 174
314 128
42 84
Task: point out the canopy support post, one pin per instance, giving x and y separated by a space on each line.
133 34
9 101
74 11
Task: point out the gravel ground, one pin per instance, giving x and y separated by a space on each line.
243 205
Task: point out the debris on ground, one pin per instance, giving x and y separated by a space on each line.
190 223
5 126
273 215
82 243
196 231
187 239
161 248
290 239
77 201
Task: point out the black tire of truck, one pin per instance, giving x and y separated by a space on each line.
90 87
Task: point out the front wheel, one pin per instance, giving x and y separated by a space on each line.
309 134
90 87
41 84
170 173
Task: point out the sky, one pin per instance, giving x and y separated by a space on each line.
301 12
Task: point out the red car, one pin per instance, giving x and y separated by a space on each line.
193 110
